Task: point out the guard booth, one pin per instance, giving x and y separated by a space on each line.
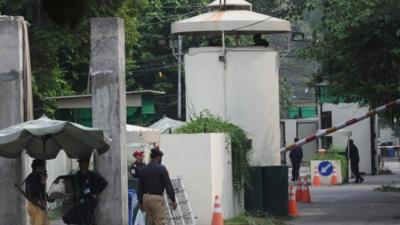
239 83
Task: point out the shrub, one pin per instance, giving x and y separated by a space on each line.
207 123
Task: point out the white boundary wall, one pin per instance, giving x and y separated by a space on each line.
361 131
205 166
290 134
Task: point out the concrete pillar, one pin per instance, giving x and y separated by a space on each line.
12 207
107 66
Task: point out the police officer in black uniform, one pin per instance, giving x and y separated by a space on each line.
296 156
87 185
35 191
153 179
354 160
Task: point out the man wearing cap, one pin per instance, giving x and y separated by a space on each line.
87 185
153 179
138 164
35 189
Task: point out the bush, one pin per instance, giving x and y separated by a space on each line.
207 123
336 153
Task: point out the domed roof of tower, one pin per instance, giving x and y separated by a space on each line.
232 17
237 4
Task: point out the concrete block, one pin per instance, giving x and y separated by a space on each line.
12 207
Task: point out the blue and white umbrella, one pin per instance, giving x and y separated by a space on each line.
44 138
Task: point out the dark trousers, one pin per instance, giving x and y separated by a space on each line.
355 169
80 215
295 168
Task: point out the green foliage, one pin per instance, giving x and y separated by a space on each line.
60 52
286 9
285 94
357 44
207 123
55 214
60 42
336 153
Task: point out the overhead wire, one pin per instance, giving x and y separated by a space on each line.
252 24
152 69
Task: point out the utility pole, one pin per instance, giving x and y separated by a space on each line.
179 76
176 46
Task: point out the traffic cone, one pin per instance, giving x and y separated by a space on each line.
299 190
217 218
316 179
292 202
305 196
334 177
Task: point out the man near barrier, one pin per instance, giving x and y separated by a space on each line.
296 155
86 185
354 160
153 179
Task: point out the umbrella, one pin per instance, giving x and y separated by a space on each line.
44 138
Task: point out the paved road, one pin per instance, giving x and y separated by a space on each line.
353 204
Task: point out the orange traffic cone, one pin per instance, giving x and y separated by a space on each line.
217 218
334 177
316 179
292 202
299 190
305 196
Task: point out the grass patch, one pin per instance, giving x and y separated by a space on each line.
251 220
388 188
54 214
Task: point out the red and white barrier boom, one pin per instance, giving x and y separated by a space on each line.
325 132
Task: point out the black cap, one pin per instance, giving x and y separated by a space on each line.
156 152
38 163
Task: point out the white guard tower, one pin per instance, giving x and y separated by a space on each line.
241 85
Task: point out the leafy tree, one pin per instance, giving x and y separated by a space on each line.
357 44
156 67
286 9
285 95
60 41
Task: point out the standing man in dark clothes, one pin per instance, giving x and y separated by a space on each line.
35 189
138 164
296 155
87 185
153 179
354 160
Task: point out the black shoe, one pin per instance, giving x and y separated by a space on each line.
361 180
